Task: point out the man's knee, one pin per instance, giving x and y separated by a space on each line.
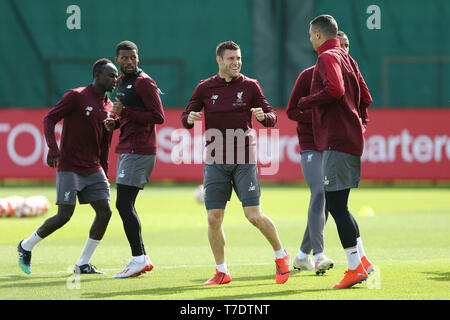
254 215
64 214
215 218
102 208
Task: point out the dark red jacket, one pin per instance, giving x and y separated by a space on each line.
227 106
142 110
84 140
303 117
339 97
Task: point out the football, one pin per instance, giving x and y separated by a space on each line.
16 206
199 194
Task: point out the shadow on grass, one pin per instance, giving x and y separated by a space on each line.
18 281
237 283
438 276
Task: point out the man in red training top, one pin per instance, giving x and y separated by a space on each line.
229 100
311 163
81 162
339 98
139 109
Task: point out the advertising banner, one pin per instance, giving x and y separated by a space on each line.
400 144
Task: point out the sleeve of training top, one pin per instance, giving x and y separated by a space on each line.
64 107
260 101
148 91
366 98
333 84
195 104
301 89
104 150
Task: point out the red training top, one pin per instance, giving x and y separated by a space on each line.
227 106
303 117
142 110
339 97
84 140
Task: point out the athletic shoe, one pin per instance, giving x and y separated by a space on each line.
135 269
282 268
352 277
367 265
323 264
24 258
219 278
86 269
303 264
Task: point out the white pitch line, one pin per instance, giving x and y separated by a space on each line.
342 262
157 267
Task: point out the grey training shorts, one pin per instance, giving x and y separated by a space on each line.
134 169
340 170
88 187
220 179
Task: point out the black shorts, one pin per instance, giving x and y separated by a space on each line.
220 179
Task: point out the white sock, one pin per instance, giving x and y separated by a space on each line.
353 258
29 243
317 256
222 268
88 251
279 254
139 259
360 247
301 255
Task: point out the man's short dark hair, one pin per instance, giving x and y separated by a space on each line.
341 34
227 45
98 65
326 24
126 45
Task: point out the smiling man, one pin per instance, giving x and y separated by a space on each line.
229 100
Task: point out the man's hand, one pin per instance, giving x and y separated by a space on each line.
117 107
53 161
193 116
110 124
258 113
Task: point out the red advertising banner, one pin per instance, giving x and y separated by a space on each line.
401 144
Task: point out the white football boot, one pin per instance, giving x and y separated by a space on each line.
134 269
323 264
303 264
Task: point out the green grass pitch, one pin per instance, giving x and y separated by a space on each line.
407 238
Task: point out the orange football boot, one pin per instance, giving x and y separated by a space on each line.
282 268
367 265
352 277
219 278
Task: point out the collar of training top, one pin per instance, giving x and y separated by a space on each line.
327 45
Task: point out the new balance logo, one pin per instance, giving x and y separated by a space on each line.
88 110
66 196
129 86
252 187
